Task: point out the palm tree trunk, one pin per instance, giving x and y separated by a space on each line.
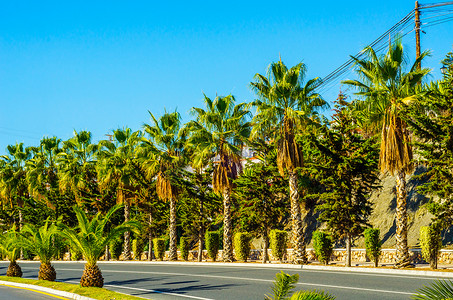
173 255
227 227
92 277
127 234
299 255
21 222
201 233
266 246
402 251
150 236
348 251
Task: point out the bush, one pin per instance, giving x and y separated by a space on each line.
184 247
212 241
242 245
116 248
323 245
278 240
430 242
137 248
373 244
159 248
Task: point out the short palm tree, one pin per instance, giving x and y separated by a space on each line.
115 166
285 107
90 238
219 133
9 247
165 160
40 241
386 90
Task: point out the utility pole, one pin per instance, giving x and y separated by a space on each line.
417 31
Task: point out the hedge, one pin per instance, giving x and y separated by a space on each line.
184 243
323 245
159 248
242 245
373 244
278 241
212 241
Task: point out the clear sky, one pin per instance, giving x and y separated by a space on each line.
100 65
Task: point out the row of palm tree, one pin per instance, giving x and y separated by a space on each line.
129 164
90 237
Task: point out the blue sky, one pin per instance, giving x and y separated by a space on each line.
100 65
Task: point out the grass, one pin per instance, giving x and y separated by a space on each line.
92 292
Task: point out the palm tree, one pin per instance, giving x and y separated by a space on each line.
40 241
91 237
286 106
115 167
42 173
218 133
386 89
13 182
77 166
166 158
9 247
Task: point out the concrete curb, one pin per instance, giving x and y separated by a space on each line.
45 290
278 266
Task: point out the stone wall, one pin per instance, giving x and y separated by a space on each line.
358 255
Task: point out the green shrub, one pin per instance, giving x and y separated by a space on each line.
184 247
430 242
278 240
373 244
159 248
437 290
242 245
116 248
137 248
323 245
212 242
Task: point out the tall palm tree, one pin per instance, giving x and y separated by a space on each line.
385 90
42 173
286 106
218 133
77 166
13 181
115 167
165 160
40 241
90 237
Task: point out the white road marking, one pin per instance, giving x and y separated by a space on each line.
150 291
247 279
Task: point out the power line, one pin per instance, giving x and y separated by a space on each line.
400 29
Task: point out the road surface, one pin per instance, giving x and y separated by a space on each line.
15 293
165 282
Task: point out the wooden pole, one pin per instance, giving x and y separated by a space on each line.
417 31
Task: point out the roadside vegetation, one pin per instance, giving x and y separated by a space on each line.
239 171
91 292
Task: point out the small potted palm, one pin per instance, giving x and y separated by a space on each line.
90 237
9 247
40 241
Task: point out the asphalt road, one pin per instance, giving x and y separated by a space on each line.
14 293
163 281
